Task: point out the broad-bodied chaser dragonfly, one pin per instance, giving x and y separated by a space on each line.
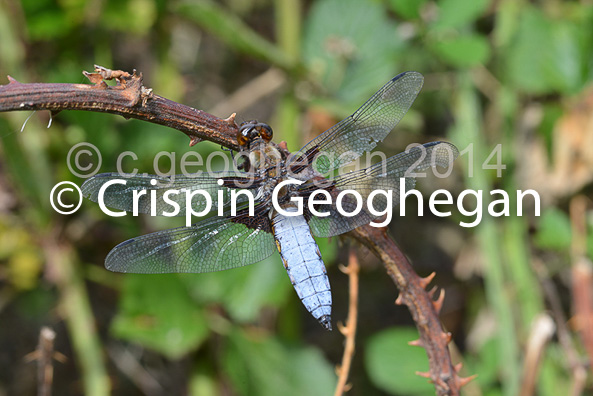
235 240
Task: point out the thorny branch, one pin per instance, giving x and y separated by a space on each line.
130 99
424 310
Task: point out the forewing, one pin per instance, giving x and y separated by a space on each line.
121 196
384 176
214 244
360 132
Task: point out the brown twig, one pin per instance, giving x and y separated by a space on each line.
45 368
423 308
578 215
129 98
349 331
579 372
582 275
127 363
252 92
542 330
44 354
582 295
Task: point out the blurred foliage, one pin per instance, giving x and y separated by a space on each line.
389 360
506 82
147 318
260 365
554 231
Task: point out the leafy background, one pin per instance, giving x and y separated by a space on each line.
509 73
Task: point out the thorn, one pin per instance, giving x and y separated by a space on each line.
447 337
12 80
194 140
347 387
338 369
31 356
343 329
231 119
464 381
93 77
60 357
425 281
399 300
432 291
423 374
344 269
438 304
417 343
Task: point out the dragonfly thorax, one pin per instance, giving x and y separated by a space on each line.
265 157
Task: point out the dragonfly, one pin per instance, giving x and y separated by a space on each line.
257 228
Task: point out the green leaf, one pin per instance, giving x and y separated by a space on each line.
26 158
485 364
12 49
554 230
551 114
328 248
548 55
49 25
157 312
554 378
137 16
408 9
391 362
259 365
234 32
454 14
263 284
464 51
243 291
354 54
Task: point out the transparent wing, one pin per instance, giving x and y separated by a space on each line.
360 132
121 195
384 176
214 244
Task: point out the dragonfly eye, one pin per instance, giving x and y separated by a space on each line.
243 138
246 133
266 132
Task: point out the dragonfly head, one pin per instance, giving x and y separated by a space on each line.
252 130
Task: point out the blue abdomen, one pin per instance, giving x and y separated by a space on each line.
303 263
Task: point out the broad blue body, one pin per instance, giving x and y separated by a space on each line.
303 263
